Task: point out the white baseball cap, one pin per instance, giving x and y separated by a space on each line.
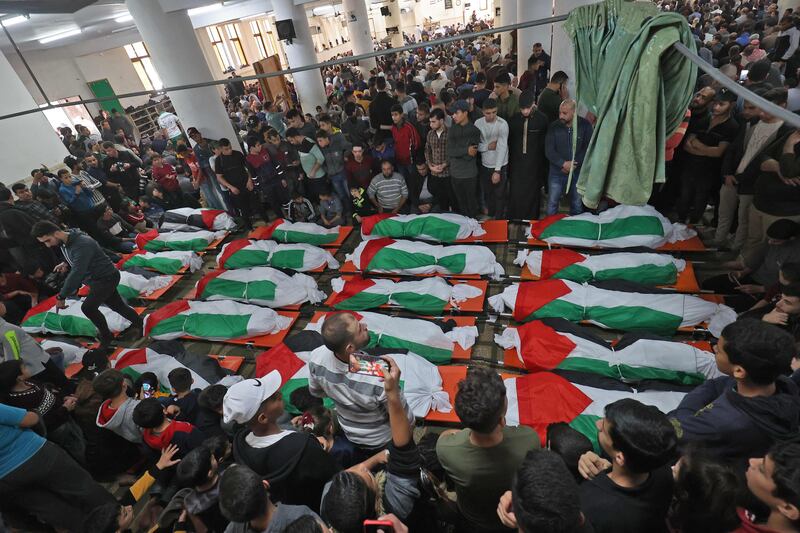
243 400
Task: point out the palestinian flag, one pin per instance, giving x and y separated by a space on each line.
438 227
410 257
298 232
217 321
544 398
427 296
196 241
562 263
611 304
136 362
245 253
624 226
45 318
555 343
419 379
422 337
210 219
259 285
164 262
136 286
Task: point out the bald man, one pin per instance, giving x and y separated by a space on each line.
564 163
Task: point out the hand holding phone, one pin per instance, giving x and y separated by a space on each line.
369 365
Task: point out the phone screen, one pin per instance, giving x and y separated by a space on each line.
368 364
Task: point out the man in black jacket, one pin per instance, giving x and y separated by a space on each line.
16 226
87 264
380 110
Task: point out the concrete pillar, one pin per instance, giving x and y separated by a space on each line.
532 10
508 15
179 60
32 139
308 84
357 17
563 57
395 20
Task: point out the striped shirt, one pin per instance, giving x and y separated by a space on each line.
388 191
360 400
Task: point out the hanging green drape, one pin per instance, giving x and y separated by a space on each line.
629 76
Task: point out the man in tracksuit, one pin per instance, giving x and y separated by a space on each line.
87 264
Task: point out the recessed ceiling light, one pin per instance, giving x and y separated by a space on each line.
124 18
14 20
58 36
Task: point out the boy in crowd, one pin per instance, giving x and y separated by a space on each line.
482 459
183 403
775 481
200 471
362 207
742 414
300 209
330 209
158 431
636 493
116 411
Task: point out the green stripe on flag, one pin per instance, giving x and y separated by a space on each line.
621 227
574 273
127 292
362 301
644 274
308 238
419 303
204 325
437 356
288 259
291 386
74 325
558 308
630 373
634 318
389 258
192 245
587 425
442 230
161 264
253 290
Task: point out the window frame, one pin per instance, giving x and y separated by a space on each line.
232 31
143 65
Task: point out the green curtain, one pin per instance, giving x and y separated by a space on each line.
634 82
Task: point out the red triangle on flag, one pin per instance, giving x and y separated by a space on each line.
554 261
371 250
279 358
542 347
545 398
367 223
265 232
208 216
538 226
532 295
352 286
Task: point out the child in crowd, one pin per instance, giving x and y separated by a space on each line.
182 405
153 212
330 209
133 215
158 431
116 411
323 424
362 207
300 209
200 471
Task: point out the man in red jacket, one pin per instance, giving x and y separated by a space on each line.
360 169
406 141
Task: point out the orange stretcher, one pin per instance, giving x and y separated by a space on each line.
695 244
261 341
459 353
686 282
451 375
496 232
153 296
344 232
472 305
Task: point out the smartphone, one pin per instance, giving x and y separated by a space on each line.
374 526
147 390
369 365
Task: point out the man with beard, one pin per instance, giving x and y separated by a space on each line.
527 161
566 157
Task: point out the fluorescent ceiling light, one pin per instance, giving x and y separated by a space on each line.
204 9
124 18
14 20
58 36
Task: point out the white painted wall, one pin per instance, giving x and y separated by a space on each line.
116 66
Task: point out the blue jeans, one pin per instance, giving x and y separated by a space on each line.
339 184
212 191
556 185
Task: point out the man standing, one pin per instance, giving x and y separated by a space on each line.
209 186
388 190
463 139
231 169
16 226
527 160
702 162
551 96
539 61
406 141
436 157
25 202
311 161
334 147
507 103
494 158
564 162
360 168
380 110
87 264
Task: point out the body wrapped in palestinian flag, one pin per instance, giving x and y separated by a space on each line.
544 398
436 227
72 353
624 226
427 338
260 286
426 296
196 241
210 219
562 263
244 253
281 230
164 262
219 320
136 362
45 318
137 286
410 257
419 379
555 343
611 304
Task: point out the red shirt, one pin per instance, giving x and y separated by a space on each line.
166 178
17 282
360 174
406 140
748 526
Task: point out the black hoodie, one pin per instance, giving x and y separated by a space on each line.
735 427
296 467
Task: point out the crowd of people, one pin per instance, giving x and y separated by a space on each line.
443 128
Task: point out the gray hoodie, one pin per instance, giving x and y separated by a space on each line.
15 343
122 421
334 153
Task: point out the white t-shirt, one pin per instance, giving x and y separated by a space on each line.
267 440
169 122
